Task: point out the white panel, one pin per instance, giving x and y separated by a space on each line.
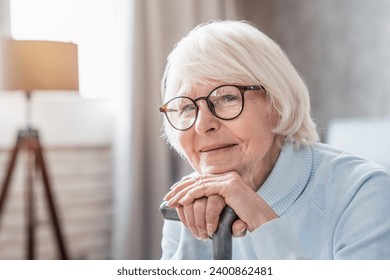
367 137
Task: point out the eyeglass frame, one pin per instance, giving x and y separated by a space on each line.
241 88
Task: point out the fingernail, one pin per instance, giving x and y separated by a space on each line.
169 195
171 203
203 236
210 230
242 232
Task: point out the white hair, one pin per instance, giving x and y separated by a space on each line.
236 52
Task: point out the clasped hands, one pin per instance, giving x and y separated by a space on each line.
200 199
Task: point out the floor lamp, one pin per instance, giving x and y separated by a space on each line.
31 66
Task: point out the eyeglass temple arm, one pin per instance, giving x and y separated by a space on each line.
222 238
164 109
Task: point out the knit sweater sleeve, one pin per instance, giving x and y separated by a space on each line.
358 226
363 229
276 240
170 239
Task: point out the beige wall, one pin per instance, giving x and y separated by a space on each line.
341 48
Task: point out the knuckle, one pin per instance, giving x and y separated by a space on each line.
191 225
199 205
212 216
199 225
216 201
204 186
202 178
212 213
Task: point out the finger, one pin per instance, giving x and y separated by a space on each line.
194 178
205 189
189 216
178 186
182 217
199 211
181 191
239 228
215 205
225 185
176 197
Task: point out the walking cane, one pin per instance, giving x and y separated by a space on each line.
222 238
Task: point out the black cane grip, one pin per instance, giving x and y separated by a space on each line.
168 212
222 238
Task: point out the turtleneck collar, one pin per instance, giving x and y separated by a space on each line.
288 178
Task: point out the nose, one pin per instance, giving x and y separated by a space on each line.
206 122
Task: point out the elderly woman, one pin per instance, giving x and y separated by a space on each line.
238 111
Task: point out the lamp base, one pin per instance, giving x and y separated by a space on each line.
28 141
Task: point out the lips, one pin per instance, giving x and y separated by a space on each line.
216 148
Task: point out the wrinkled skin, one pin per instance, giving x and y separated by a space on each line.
231 159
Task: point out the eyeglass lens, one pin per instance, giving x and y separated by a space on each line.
224 102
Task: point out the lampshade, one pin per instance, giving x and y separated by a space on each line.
38 65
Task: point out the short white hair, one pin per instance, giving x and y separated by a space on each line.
236 52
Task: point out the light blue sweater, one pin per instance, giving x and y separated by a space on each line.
332 205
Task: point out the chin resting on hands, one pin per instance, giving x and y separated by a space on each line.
200 199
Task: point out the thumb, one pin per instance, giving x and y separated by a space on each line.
239 228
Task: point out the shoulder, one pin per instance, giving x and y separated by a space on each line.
338 177
333 161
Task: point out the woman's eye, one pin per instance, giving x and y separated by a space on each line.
229 98
226 99
187 109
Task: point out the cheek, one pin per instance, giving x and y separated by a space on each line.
185 142
255 136
254 125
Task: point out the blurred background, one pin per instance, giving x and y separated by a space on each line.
108 165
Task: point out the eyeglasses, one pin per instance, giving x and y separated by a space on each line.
226 102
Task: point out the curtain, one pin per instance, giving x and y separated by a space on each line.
152 167
4 18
